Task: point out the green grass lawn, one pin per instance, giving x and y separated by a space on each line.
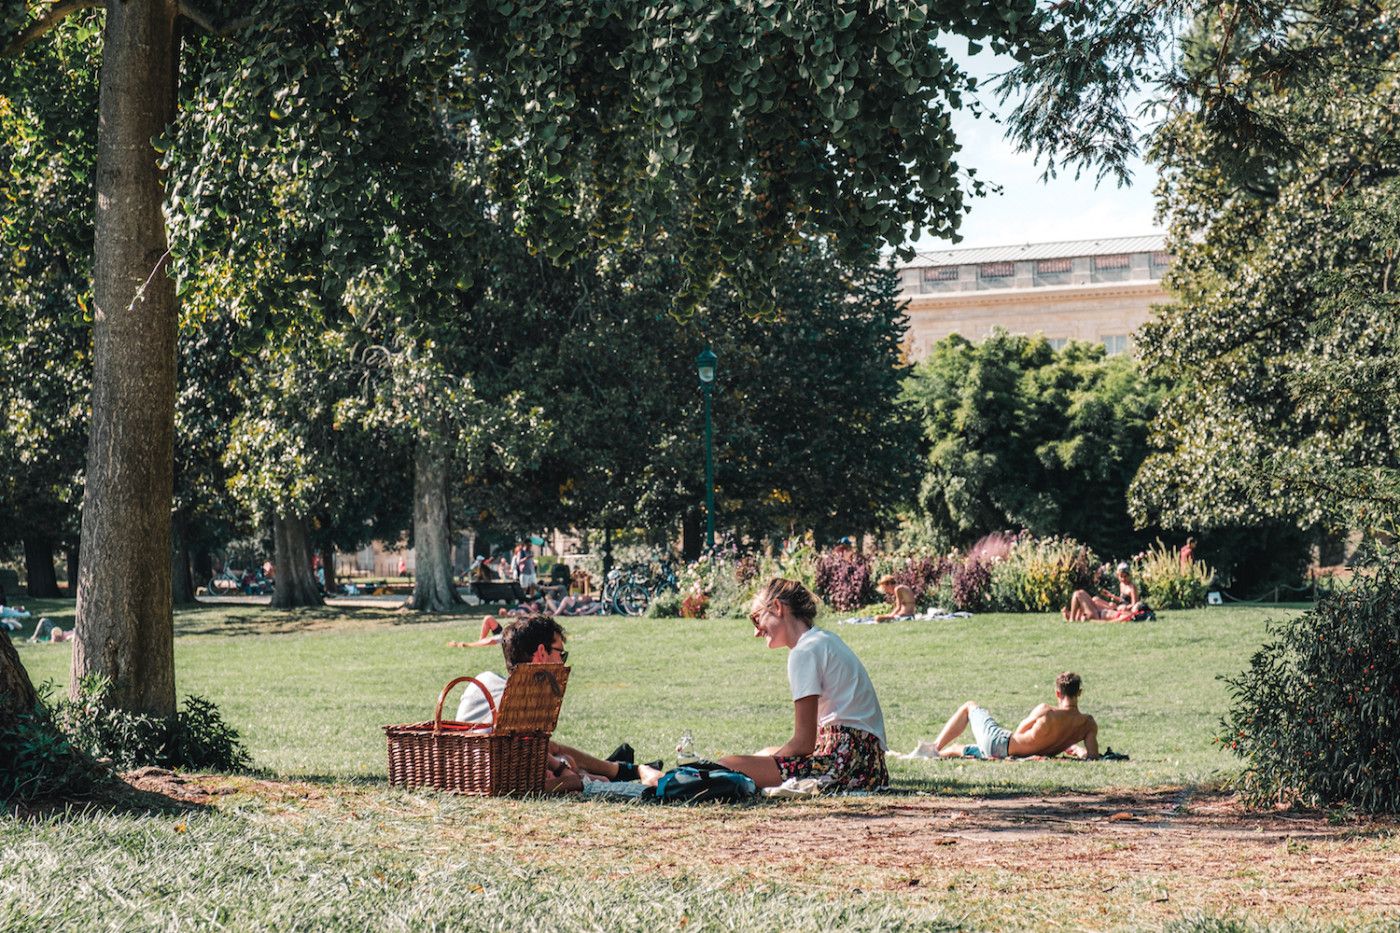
309 701
318 842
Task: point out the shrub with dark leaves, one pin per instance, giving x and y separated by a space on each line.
1317 715
196 737
41 762
923 575
972 584
844 584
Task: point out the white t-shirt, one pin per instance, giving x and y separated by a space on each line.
473 707
821 665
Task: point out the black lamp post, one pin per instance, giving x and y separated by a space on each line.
705 369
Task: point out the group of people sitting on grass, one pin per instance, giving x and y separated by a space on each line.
1105 606
838 734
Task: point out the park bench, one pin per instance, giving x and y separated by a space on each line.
498 591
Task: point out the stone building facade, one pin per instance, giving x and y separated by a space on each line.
1089 290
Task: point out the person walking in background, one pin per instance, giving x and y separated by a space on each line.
1188 553
528 577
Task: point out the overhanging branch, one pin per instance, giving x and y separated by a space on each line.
210 24
43 24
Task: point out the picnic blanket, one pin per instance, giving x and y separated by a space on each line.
926 751
934 614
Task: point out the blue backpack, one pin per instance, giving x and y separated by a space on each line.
704 781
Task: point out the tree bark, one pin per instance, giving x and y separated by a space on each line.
690 535
328 568
39 569
433 587
202 566
123 616
72 571
181 575
17 695
295 583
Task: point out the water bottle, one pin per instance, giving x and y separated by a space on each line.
685 750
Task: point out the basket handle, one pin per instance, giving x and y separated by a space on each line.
442 698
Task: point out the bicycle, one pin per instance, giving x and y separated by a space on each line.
224 583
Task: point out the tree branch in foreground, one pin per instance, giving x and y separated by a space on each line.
43 24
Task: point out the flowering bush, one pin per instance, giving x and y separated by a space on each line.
693 606
844 584
972 584
1169 583
1040 574
925 576
726 578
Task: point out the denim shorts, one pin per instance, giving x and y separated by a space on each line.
992 737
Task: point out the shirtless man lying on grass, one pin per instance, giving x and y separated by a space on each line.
1048 730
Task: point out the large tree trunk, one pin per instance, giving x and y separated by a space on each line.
38 568
690 535
123 618
181 574
72 571
433 586
202 565
295 584
328 568
17 695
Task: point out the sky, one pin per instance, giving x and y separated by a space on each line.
1029 210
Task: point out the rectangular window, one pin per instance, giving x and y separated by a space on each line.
941 274
1057 343
1161 258
1053 266
996 270
1117 261
1115 344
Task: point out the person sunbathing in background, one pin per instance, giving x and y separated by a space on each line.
1105 607
901 600
1048 730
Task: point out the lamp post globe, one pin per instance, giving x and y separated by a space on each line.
705 366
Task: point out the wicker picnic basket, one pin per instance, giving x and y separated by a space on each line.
504 756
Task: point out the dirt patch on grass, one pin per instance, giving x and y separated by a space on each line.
1088 859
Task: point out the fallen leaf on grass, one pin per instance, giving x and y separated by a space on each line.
946 841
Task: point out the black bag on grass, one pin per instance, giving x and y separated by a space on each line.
704 781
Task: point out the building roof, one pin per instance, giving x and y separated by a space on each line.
1062 250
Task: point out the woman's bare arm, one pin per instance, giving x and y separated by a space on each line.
804 729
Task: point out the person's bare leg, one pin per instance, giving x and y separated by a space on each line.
565 782
953 751
762 768
954 726
489 627
585 761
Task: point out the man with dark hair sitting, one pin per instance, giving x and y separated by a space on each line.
539 639
1048 730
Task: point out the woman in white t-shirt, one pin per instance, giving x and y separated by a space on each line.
838 728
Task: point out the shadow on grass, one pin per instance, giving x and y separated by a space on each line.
240 619
116 797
